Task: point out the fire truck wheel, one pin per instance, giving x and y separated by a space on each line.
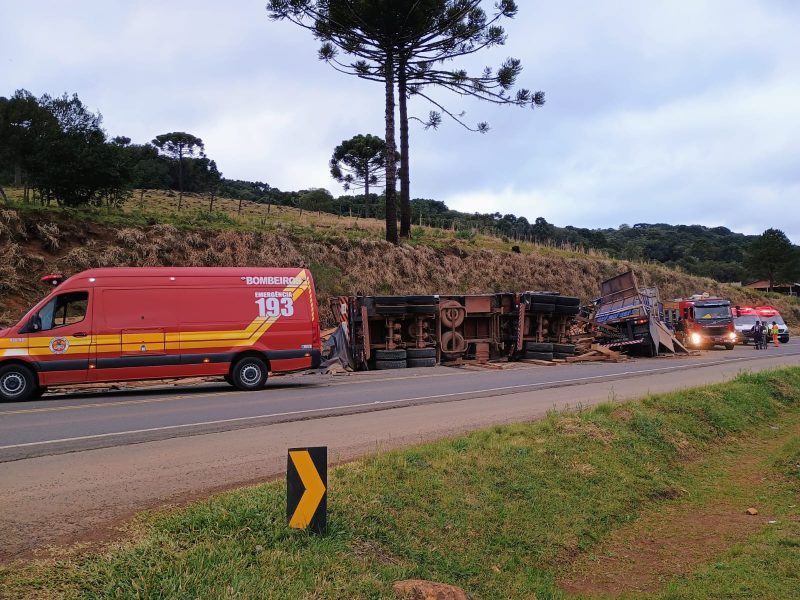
385 365
249 373
17 383
542 307
539 355
539 346
421 362
421 353
390 355
564 348
729 346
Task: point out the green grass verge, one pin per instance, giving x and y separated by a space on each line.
500 512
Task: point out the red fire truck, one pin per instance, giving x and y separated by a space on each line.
706 322
155 323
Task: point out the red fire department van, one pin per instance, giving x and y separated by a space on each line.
153 323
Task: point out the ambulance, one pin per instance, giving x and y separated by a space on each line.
769 314
123 324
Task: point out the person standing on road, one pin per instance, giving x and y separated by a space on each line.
758 335
774 330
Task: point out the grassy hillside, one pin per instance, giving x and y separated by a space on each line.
345 255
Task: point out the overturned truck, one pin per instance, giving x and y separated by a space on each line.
628 317
394 332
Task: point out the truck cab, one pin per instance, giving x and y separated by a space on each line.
708 322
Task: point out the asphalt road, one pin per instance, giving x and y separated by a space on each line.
161 448
83 421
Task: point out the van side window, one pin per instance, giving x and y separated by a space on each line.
63 310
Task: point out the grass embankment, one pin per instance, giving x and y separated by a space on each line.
509 512
38 241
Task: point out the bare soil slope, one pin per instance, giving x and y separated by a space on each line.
34 245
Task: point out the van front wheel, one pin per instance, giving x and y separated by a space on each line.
249 373
17 383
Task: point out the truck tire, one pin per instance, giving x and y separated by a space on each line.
421 362
390 354
17 383
421 353
562 309
542 307
564 348
421 309
390 310
539 355
385 365
563 355
390 300
544 298
566 301
249 374
421 299
41 390
538 347
729 346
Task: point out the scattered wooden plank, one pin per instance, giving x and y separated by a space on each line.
536 361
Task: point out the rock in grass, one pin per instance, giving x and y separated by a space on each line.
752 511
418 589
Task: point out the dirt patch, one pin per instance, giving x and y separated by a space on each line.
673 540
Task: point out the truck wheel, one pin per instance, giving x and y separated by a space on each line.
421 353
729 346
421 362
385 365
542 307
249 374
390 355
564 348
566 301
538 347
41 390
17 383
562 309
538 355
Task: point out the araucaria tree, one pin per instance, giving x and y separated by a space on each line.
409 41
773 257
178 145
359 163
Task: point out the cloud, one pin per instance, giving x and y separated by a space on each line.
681 111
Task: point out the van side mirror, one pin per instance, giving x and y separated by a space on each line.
34 325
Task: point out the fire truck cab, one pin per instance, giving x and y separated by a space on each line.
707 322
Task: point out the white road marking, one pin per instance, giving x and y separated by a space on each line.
366 404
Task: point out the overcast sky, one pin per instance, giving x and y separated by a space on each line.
678 111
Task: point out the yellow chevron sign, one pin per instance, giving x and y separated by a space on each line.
306 489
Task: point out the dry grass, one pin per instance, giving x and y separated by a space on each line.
37 243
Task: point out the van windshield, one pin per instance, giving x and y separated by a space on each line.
746 320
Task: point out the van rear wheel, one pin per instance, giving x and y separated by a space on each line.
249 373
17 383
